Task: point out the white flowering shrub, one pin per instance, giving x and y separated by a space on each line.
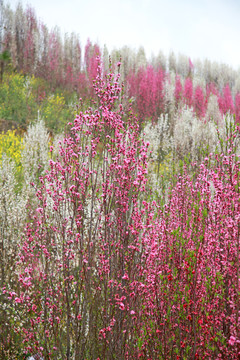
12 217
183 65
182 138
158 136
35 154
213 113
169 98
199 81
192 135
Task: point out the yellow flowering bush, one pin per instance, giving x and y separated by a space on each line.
17 103
56 112
11 144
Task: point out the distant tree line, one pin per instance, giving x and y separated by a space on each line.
154 86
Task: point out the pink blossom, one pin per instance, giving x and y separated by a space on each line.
121 306
232 340
125 276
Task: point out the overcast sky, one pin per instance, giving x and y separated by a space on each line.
199 29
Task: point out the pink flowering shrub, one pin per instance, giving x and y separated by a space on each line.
199 103
225 101
78 262
91 63
211 89
146 86
188 92
178 90
190 279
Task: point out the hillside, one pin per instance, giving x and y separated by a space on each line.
119 201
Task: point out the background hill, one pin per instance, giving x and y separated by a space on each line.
44 73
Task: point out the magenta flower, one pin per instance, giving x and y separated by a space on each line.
121 306
232 340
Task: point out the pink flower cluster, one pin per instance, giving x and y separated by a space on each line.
146 86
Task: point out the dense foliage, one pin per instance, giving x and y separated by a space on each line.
119 236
